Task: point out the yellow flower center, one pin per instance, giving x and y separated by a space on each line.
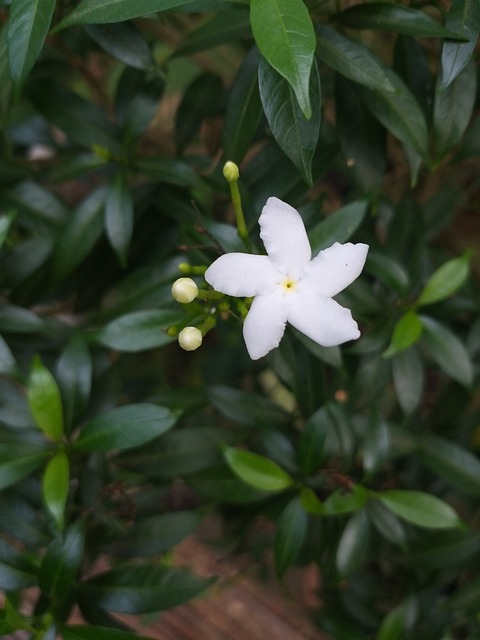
288 285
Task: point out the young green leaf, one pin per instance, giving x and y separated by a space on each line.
446 280
27 27
289 535
419 508
406 332
295 135
55 487
45 401
285 37
258 471
125 427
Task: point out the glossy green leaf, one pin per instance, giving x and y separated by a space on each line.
285 37
80 233
340 502
419 508
388 271
257 471
353 546
451 462
244 110
104 11
27 27
339 226
310 447
19 459
361 137
296 136
61 562
311 502
397 18
353 60
377 443
223 28
38 207
245 407
143 589
453 110
45 401
139 330
387 524
290 535
55 487
125 427
24 260
447 351
406 332
408 379
7 360
119 217
124 42
446 280
463 17
74 373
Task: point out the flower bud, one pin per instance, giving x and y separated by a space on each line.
184 290
231 172
190 338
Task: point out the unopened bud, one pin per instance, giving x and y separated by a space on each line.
190 338
184 290
231 172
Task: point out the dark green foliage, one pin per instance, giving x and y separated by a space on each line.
116 117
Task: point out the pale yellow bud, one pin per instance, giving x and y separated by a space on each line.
184 290
190 338
231 172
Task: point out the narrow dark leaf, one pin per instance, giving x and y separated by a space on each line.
463 17
119 217
289 535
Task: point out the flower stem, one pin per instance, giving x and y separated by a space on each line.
231 174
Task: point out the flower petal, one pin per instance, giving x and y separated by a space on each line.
322 319
335 268
265 323
284 236
242 274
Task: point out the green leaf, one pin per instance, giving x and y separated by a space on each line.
387 524
79 234
74 372
353 545
377 444
223 28
295 135
55 487
27 27
463 17
339 502
139 330
310 447
451 462
61 562
406 332
220 484
5 224
124 42
420 509
125 427
45 401
361 137
119 217
396 18
408 378
289 535
353 60
104 11
446 280
246 408
143 589
453 109
7 361
311 502
448 351
258 471
388 271
19 459
339 226
285 37
244 110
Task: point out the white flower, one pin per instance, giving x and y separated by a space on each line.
287 285
190 338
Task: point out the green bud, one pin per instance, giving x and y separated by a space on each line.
231 172
190 338
184 290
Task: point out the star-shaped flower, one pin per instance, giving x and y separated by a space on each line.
288 285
